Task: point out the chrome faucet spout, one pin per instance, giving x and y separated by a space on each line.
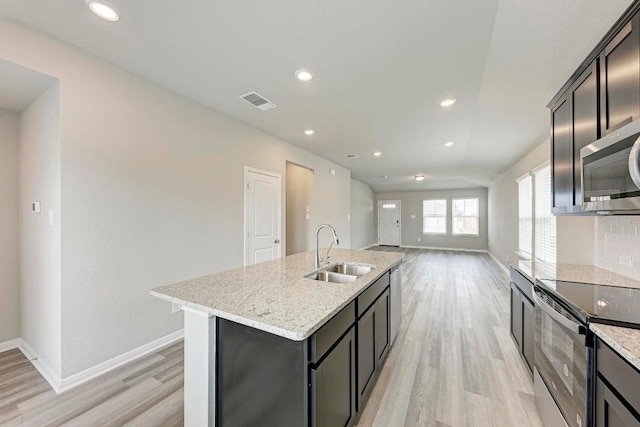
335 241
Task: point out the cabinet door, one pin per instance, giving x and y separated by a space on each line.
334 386
620 78
516 315
586 125
561 157
610 411
382 326
528 332
366 354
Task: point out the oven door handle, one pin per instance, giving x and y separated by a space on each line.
567 323
634 163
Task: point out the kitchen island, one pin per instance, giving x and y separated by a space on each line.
266 344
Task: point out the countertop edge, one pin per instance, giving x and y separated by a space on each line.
625 353
293 335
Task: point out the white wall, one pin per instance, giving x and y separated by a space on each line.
617 244
152 193
574 234
412 227
299 201
40 250
9 285
362 212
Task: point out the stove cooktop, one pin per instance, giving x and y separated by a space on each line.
597 303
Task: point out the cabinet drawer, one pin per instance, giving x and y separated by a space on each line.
525 286
622 376
372 293
329 334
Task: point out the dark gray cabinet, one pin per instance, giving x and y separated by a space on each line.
617 398
382 327
522 316
620 78
561 157
599 98
333 398
268 380
373 335
366 354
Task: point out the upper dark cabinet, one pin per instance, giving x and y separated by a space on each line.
600 97
620 78
561 157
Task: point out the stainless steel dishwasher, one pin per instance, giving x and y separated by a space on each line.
396 301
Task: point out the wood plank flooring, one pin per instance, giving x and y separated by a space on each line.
453 364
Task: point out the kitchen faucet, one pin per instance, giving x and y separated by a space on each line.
335 240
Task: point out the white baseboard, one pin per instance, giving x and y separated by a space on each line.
41 366
9 345
443 249
111 364
61 385
364 248
500 264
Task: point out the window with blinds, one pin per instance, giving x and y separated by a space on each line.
434 216
525 215
545 222
465 217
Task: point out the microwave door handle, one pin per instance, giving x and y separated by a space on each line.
634 163
567 323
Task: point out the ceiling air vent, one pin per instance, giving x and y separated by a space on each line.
258 101
351 156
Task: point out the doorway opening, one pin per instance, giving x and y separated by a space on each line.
389 227
300 183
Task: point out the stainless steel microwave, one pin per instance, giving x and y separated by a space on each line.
610 172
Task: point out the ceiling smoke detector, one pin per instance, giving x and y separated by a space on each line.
304 75
351 156
258 101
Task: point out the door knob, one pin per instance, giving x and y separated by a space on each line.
277 241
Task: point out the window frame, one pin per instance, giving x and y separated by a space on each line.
445 216
477 217
520 252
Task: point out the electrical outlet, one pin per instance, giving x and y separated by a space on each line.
175 307
419 239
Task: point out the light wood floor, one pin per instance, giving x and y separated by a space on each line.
453 364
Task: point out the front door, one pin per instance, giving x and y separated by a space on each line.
262 216
389 222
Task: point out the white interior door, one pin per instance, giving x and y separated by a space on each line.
389 222
262 216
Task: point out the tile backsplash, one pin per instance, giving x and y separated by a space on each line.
617 245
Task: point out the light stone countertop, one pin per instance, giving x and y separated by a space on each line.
591 274
625 341
274 296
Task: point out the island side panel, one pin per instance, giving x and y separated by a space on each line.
262 378
199 368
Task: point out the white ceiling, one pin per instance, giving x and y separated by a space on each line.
381 69
20 86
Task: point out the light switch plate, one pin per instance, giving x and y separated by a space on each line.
51 217
35 207
413 216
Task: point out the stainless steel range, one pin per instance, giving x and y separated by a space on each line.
565 364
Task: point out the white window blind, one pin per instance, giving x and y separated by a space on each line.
466 216
545 222
434 216
525 215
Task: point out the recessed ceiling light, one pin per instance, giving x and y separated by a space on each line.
309 132
449 144
448 102
419 178
377 154
104 10
304 75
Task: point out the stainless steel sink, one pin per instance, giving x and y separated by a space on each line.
350 269
330 276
